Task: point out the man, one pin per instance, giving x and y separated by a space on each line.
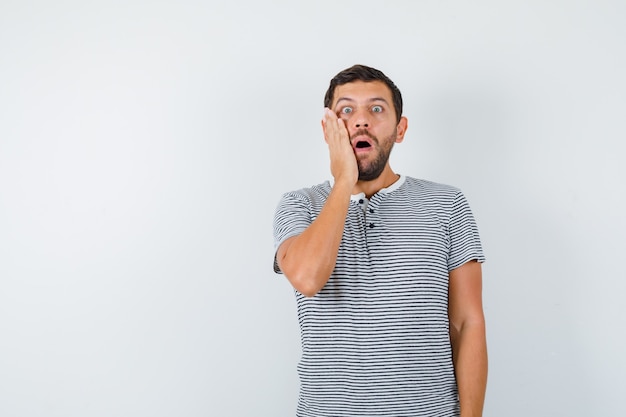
386 270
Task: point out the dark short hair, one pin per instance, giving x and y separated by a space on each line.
367 74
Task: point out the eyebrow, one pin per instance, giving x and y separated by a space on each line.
373 99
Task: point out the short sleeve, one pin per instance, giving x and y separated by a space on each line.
291 218
465 242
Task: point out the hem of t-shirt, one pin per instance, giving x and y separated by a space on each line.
277 245
479 258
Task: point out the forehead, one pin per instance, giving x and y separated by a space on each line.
362 91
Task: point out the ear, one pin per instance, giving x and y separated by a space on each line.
403 124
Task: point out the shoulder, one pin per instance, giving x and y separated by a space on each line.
431 188
314 194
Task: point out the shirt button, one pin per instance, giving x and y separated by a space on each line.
361 201
371 210
371 225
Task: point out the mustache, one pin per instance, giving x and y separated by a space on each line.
363 132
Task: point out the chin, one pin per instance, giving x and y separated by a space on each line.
369 176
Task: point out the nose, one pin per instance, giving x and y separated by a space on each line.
360 120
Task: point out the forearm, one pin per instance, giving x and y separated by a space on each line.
470 364
309 259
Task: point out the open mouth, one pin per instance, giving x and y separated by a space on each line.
362 144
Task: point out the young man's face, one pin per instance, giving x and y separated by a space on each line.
368 112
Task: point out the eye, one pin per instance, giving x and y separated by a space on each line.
377 109
346 110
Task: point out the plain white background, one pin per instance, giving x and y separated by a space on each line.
144 146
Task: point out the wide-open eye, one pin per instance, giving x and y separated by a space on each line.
346 110
377 109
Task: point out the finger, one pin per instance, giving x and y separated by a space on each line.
329 123
327 129
342 131
334 127
327 117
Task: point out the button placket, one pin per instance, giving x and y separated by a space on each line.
371 215
359 212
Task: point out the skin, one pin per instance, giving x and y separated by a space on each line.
363 112
468 337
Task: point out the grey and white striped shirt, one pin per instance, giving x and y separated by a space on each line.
375 339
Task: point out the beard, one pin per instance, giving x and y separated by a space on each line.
370 170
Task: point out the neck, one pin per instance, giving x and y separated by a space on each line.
384 180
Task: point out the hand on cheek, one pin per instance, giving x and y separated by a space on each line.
342 159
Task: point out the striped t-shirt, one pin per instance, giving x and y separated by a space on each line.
375 339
